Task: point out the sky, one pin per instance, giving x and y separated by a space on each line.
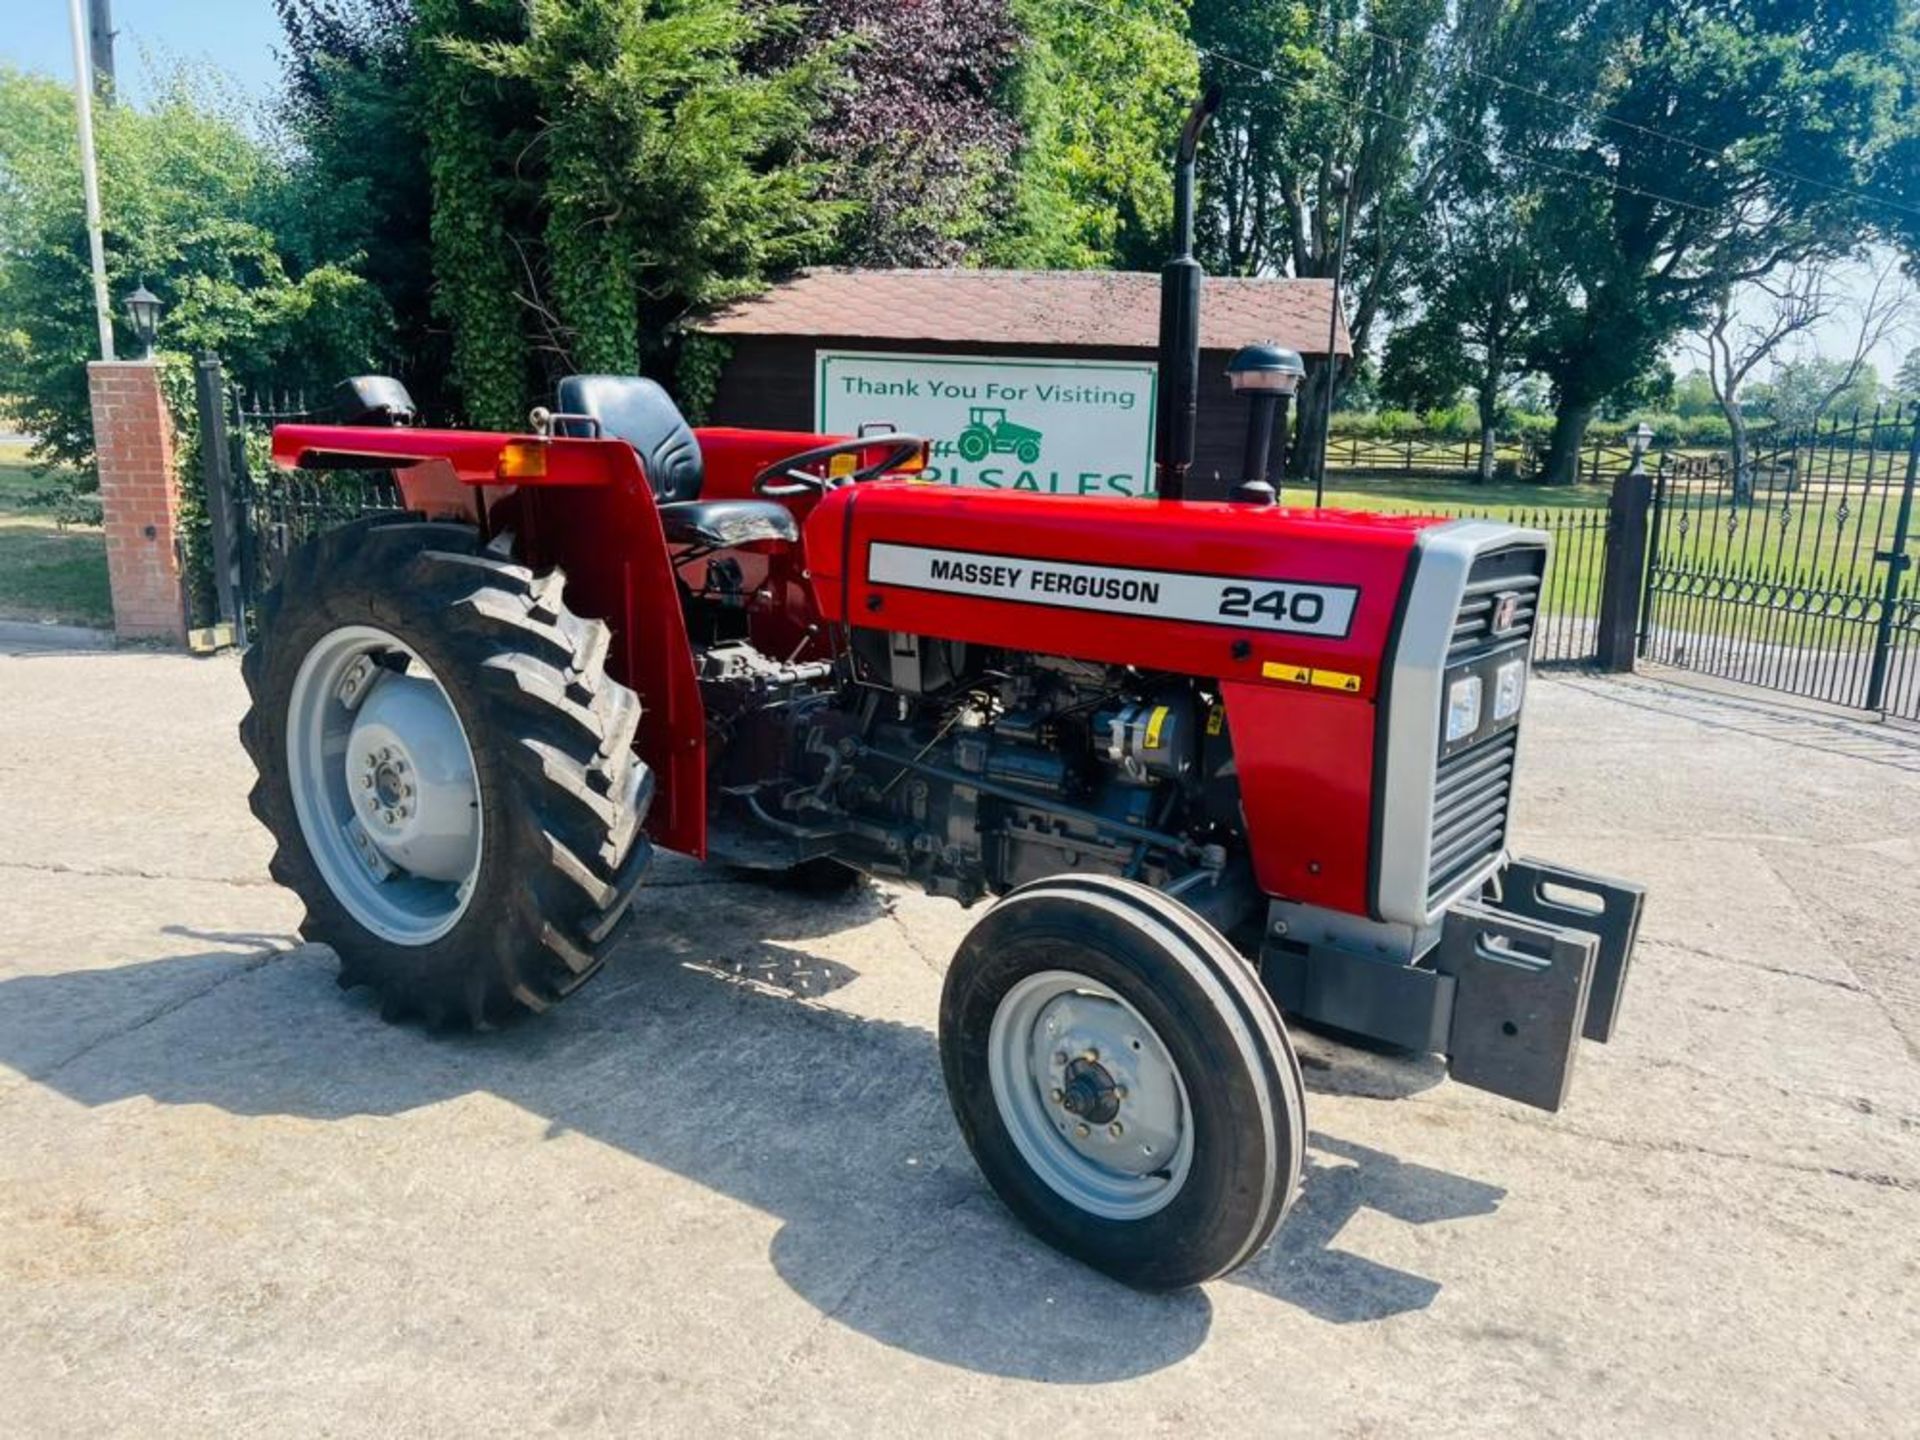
238 38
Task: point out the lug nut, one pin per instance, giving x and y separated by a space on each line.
1116 1129
1060 1058
366 782
1081 1130
1119 1092
1092 1057
388 817
1058 1094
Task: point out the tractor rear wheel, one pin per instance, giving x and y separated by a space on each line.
1123 1080
446 768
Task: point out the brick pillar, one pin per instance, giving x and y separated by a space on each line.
133 440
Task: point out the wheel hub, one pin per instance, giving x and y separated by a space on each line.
1090 1092
409 771
1114 1097
384 784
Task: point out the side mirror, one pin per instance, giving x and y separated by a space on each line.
374 400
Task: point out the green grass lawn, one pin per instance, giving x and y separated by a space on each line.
46 573
1768 545
1573 575
1411 493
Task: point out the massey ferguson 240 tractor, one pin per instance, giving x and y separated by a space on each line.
1209 762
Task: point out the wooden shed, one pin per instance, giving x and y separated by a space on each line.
1018 355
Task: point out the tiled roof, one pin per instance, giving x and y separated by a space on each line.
1029 307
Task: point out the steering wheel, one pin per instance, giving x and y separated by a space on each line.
789 477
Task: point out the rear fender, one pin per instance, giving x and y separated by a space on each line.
590 510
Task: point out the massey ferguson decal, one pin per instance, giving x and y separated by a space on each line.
1284 605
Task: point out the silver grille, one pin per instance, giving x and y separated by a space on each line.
1472 786
1516 572
1470 795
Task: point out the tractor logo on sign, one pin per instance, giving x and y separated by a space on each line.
990 432
1506 609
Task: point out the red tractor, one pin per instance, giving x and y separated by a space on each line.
1210 761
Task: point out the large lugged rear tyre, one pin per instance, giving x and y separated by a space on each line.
447 770
1123 1080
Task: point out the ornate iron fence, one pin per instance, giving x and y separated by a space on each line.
259 511
278 508
1567 628
1795 573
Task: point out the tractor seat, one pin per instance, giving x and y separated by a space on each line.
728 524
636 410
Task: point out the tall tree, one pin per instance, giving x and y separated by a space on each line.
1100 93
918 143
1689 145
1320 90
1489 290
355 105
600 168
194 208
1744 331
1906 380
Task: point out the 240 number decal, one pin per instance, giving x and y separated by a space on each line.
1302 608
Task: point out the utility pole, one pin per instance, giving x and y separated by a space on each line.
1343 188
89 177
100 25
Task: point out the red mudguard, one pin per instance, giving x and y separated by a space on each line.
590 510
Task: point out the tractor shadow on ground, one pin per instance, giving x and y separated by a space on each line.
712 1056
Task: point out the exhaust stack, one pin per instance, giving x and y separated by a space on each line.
1180 320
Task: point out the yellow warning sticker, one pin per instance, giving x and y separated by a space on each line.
1292 674
1305 675
1216 720
1155 722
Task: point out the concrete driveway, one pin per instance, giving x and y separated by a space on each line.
720 1190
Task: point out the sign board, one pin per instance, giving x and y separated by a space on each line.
1061 427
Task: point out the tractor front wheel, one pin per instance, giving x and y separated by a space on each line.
446 769
1123 1080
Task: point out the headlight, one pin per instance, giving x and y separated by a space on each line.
1509 686
1463 707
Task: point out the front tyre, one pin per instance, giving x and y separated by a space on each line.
1123 1080
446 769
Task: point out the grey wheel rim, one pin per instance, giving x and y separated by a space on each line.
384 785
1090 1095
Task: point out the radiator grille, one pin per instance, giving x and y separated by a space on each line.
1470 797
1516 570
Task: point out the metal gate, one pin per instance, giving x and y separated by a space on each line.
1567 630
1798 574
258 512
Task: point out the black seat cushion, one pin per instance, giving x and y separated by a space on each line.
638 411
723 524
